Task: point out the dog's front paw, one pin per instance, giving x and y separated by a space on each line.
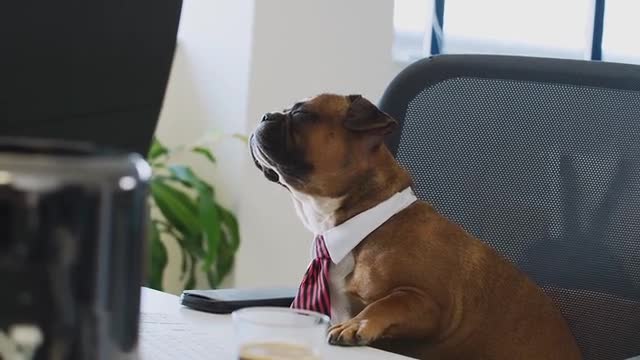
354 332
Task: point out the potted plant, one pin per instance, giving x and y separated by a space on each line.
184 209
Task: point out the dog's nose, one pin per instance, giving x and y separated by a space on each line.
271 117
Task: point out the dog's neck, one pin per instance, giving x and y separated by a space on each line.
320 214
317 213
385 179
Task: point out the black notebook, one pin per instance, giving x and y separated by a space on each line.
224 301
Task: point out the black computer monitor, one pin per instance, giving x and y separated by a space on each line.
89 70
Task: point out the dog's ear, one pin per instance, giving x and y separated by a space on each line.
363 116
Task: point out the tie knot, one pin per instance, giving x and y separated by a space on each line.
321 248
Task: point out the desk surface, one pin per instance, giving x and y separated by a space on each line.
171 331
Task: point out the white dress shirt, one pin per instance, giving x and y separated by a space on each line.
342 239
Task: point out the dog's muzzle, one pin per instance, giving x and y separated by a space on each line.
260 161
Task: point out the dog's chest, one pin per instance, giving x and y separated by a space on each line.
340 304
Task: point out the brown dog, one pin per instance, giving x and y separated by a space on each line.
418 284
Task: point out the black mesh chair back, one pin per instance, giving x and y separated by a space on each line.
540 158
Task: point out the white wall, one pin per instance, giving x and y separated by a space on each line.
302 48
238 59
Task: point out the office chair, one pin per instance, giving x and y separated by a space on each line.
540 158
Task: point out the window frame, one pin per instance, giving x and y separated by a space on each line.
437 28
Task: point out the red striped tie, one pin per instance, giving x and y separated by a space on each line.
313 293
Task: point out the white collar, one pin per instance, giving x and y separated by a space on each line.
341 239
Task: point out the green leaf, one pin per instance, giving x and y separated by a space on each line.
231 224
183 256
177 207
194 246
241 137
225 260
191 283
210 221
183 268
157 149
188 178
183 174
212 278
159 257
204 152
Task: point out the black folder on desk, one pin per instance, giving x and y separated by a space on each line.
224 301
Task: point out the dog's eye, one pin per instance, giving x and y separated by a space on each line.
302 115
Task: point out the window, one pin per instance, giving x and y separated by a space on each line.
575 29
519 27
412 21
621 31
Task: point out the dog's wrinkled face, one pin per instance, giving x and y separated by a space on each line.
322 145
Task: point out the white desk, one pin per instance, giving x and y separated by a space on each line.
170 331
